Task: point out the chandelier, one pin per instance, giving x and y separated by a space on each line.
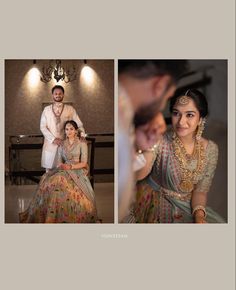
58 72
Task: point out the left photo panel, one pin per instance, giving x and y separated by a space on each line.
59 141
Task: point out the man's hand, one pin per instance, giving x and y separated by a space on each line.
83 136
57 141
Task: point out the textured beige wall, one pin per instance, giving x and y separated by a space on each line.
23 101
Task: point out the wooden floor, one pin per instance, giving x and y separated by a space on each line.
17 198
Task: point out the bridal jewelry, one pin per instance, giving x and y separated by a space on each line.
68 147
199 207
189 177
152 149
184 100
200 129
173 134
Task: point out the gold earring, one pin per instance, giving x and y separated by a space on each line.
173 134
200 129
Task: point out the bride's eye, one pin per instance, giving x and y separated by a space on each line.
175 113
190 115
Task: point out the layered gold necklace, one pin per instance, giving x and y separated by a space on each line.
188 176
57 114
68 147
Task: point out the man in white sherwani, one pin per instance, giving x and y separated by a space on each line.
52 123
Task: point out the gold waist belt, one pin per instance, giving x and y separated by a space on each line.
176 195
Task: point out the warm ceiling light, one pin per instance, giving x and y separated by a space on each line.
58 72
33 76
87 74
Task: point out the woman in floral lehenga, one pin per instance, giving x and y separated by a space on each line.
174 183
65 195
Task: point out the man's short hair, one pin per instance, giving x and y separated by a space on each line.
143 69
58 87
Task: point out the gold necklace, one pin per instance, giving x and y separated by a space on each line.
68 148
188 177
57 116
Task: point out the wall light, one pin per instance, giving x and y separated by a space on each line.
33 75
87 74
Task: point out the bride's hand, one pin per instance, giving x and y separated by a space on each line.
64 166
149 134
200 216
60 166
200 221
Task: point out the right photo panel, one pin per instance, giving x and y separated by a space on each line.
172 141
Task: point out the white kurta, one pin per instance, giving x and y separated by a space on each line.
126 154
52 130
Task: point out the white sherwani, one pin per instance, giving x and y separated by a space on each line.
52 130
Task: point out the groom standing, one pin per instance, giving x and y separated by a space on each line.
52 123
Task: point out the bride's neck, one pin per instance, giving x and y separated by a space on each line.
187 140
71 140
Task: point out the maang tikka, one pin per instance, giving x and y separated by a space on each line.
184 100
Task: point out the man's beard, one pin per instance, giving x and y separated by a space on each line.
146 114
58 100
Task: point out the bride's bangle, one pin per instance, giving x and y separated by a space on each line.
199 207
152 149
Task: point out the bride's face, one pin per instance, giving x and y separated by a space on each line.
70 131
185 119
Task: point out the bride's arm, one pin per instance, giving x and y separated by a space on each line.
199 195
83 163
149 157
199 200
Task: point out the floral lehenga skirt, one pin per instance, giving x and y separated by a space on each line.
152 206
62 197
